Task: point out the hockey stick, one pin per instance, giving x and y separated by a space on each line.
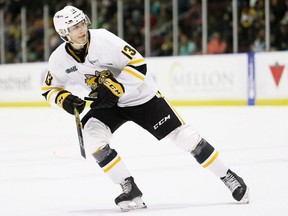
79 131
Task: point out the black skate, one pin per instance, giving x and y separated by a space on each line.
240 191
130 199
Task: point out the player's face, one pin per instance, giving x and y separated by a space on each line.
78 33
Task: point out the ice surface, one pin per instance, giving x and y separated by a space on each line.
42 172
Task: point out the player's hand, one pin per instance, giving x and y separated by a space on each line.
107 94
68 102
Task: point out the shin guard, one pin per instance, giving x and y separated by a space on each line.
111 164
204 153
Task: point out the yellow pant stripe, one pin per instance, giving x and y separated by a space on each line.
176 113
112 164
211 160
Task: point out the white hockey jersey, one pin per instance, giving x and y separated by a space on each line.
104 51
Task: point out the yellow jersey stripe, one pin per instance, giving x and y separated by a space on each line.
112 165
46 88
52 92
211 160
137 61
133 73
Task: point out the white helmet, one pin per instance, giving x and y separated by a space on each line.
66 18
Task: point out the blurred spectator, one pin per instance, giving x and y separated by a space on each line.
186 46
246 27
278 9
247 16
251 36
216 45
279 41
259 44
133 12
155 7
167 46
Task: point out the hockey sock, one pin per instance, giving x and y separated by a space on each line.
208 157
111 164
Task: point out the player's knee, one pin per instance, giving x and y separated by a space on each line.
96 135
185 137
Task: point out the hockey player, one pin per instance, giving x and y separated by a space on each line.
120 85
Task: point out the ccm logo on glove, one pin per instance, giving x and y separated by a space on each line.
115 87
107 94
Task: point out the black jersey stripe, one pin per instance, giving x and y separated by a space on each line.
141 68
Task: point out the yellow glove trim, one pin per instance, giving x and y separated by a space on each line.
61 98
114 87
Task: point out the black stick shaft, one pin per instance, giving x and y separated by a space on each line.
79 132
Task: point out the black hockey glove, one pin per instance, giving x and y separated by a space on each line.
107 94
68 101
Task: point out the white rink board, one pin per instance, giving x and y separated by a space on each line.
266 86
21 82
208 78
201 77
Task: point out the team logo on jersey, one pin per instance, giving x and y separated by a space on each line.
72 69
93 80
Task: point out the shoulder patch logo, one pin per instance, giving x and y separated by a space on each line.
72 69
48 79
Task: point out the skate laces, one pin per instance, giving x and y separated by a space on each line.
126 186
231 182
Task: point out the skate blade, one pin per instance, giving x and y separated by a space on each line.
136 203
246 197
